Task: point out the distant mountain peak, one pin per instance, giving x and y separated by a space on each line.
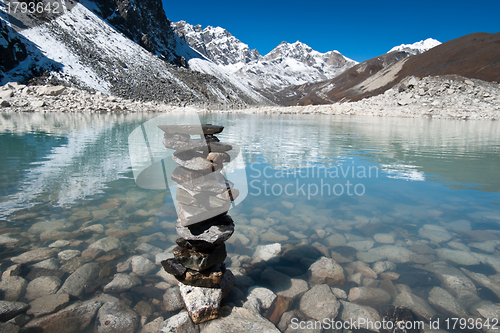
418 47
215 43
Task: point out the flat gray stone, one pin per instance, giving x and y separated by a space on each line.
211 232
42 286
172 299
13 287
6 240
419 306
106 244
122 282
76 283
445 303
351 312
456 283
74 318
368 296
269 253
384 238
395 254
48 304
59 225
9 310
116 317
319 303
265 296
283 285
239 320
362 246
142 266
326 270
34 256
434 233
458 257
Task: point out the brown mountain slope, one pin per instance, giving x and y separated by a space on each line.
475 56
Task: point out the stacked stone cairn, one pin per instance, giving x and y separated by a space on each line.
203 197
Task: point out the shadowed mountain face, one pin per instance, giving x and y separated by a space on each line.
474 56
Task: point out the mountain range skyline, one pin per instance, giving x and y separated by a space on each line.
366 32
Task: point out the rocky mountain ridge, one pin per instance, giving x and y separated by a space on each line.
82 48
286 65
473 56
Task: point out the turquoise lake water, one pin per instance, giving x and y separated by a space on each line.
307 177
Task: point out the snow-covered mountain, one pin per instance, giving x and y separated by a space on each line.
418 47
216 44
117 48
286 65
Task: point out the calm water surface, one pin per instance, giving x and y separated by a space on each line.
329 183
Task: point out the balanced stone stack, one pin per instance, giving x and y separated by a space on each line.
203 197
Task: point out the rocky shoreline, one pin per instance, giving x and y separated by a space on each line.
448 97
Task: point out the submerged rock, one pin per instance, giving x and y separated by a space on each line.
9 310
106 244
73 318
368 296
283 285
265 296
319 303
326 270
34 256
116 317
458 257
42 286
172 299
435 233
121 282
240 320
142 266
77 282
445 303
13 287
269 253
48 304
457 283
352 312
419 306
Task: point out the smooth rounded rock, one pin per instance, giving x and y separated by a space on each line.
116 317
77 282
326 270
172 299
106 244
142 266
42 286
319 303
265 296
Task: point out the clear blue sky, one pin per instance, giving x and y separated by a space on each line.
358 29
